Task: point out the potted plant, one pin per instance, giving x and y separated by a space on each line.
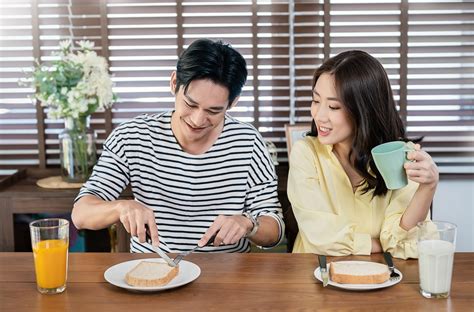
72 88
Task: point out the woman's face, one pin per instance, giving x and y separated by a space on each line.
330 115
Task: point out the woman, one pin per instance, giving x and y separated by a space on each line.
339 198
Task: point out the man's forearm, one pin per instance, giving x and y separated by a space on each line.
93 213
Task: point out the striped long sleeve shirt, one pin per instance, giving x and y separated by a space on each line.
187 192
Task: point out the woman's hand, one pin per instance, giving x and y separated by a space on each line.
134 216
422 168
424 171
376 246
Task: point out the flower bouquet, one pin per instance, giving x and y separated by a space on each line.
72 88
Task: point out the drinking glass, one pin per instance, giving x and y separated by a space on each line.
50 241
436 245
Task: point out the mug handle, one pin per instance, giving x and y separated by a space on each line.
409 147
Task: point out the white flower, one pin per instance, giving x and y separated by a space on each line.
65 46
88 86
85 45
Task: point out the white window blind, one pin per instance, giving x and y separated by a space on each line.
441 80
143 53
426 47
18 129
308 53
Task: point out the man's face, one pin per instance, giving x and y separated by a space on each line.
199 113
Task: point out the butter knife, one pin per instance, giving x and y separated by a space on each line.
161 253
324 270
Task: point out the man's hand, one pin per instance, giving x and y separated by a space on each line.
134 216
229 229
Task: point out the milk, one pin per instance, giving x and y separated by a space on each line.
435 260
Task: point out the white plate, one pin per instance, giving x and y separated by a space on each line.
115 275
317 274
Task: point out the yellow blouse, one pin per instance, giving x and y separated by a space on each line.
334 220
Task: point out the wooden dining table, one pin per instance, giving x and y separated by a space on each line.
244 282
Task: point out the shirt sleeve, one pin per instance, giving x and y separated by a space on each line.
262 188
111 173
399 242
323 228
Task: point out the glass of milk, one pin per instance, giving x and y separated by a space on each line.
436 245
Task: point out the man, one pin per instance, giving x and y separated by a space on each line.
194 171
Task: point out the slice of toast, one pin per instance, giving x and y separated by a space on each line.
151 274
360 272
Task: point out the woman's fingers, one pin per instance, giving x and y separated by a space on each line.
422 168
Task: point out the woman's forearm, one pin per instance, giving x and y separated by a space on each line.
419 206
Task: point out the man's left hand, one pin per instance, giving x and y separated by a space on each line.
229 229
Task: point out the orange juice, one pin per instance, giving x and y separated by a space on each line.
50 263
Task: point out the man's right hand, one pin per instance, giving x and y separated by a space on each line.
134 216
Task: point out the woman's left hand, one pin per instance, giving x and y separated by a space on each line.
421 168
376 246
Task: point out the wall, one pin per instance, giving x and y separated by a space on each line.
454 202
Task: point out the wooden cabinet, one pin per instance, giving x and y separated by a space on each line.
21 195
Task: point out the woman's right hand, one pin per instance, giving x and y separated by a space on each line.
134 216
422 168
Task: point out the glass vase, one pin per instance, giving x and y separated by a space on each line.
77 150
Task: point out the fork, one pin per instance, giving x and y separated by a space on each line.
388 258
183 254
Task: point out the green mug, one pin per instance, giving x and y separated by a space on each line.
389 158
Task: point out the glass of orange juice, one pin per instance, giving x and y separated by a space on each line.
50 241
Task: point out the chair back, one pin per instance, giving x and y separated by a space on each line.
294 133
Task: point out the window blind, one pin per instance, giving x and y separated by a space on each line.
441 81
308 54
426 47
143 53
18 132
373 27
146 39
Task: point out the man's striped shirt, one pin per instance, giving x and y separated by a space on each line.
187 192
